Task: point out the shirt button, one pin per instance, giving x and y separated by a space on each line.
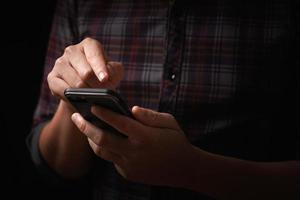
173 76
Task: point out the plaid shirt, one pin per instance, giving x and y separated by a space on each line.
224 69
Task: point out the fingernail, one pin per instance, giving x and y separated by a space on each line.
101 76
76 118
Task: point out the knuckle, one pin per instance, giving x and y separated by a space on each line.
69 49
86 74
100 139
50 77
92 57
79 84
50 80
89 40
59 61
170 116
98 151
82 127
153 116
94 47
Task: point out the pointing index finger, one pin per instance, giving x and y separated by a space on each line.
96 58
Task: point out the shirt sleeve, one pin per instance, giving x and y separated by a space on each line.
32 144
63 33
49 175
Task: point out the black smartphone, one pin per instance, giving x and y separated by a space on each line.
83 98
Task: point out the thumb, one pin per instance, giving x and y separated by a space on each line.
154 119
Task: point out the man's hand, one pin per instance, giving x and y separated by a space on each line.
84 65
61 144
155 152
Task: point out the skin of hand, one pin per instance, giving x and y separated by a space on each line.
81 65
84 65
154 152
157 152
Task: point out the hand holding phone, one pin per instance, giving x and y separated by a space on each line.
84 98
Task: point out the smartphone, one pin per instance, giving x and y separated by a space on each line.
83 98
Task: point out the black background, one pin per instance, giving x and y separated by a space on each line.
25 30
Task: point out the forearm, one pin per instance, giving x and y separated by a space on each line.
230 178
64 148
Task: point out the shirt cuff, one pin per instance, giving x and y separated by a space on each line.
47 173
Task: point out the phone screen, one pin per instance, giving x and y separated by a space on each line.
83 98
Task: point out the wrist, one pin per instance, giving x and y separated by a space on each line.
193 167
66 107
188 167
216 175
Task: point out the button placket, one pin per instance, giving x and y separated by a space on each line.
172 65
173 76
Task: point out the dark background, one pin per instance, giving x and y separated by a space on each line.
25 30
